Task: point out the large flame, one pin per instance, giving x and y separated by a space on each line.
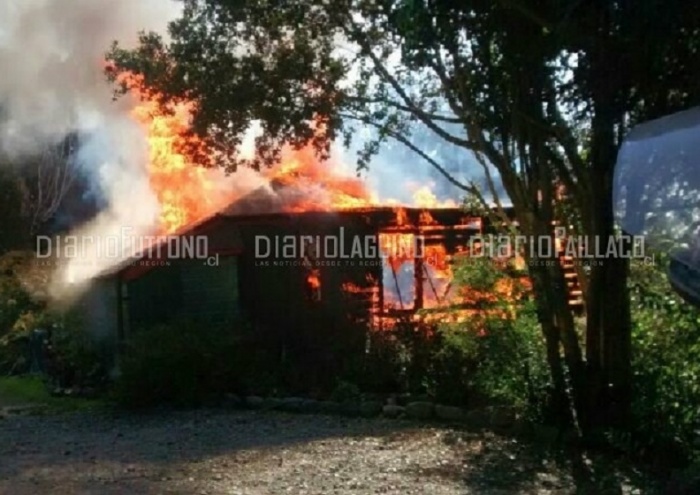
188 192
184 191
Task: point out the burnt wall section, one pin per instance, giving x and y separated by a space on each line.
310 286
98 308
293 276
182 291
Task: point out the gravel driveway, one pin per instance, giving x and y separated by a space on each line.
256 452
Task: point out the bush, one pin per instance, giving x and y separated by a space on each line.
182 365
503 342
455 362
666 365
75 361
18 313
497 360
514 369
496 356
346 392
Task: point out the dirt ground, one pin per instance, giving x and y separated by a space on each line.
256 453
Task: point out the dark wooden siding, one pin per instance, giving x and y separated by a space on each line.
184 290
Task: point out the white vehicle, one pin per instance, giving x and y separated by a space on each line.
657 193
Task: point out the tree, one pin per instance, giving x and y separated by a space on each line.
32 191
44 181
10 216
540 90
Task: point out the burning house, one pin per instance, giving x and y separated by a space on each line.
289 274
292 249
299 278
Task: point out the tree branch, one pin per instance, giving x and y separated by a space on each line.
412 147
356 32
394 104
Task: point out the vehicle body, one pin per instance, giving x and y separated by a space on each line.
657 194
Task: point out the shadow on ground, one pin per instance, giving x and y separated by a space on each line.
217 451
505 464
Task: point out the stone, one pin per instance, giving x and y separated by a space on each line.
272 403
370 408
420 410
328 407
393 411
502 417
309 406
449 413
292 404
232 401
478 417
349 409
254 402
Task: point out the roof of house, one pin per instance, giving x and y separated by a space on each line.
265 206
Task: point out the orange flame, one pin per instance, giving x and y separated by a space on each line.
185 192
188 193
423 197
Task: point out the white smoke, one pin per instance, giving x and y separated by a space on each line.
51 55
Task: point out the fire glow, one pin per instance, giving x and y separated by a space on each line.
188 193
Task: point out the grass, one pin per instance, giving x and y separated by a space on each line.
31 391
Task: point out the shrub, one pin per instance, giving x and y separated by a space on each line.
75 359
381 369
454 364
180 365
666 365
18 312
496 356
512 362
346 392
494 360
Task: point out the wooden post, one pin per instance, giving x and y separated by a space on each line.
418 275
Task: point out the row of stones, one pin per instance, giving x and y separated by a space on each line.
419 410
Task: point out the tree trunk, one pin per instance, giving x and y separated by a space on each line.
559 331
608 322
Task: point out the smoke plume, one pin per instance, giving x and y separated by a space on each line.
51 55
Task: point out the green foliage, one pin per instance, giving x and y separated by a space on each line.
19 313
14 229
496 357
666 363
73 359
76 360
22 390
504 344
180 365
32 391
14 299
478 273
345 392
284 76
513 369
455 362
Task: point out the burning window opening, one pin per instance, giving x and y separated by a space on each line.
419 284
313 281
313 275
